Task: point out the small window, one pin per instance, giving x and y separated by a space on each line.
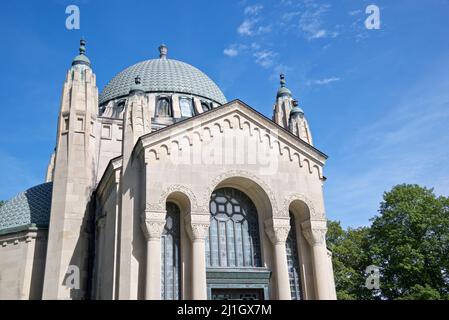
66 124
79 124
186 107
163 107
205 106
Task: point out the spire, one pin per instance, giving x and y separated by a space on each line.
82 58
82 46
163 51
283 90
282 76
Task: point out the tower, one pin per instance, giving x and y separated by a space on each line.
297 124
66 267
289 115
283 105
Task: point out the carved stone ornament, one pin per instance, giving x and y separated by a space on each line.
277 230
244 174
315 233
314 214
197 226
153 224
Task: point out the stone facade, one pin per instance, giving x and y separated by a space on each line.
118 163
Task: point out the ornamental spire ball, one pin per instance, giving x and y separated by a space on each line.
282 76
163 51
82 46
283 90
81 58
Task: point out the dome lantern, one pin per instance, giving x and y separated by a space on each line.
163 50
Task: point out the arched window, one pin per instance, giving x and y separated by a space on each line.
163 107
170 254
186 106
293 261
205 106
234 239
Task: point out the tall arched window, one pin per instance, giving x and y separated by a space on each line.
170 254
293 261
234 239
163 107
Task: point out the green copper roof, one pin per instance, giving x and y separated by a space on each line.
163 75
81 58
27 208
283 90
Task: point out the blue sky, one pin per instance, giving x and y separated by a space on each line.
377 100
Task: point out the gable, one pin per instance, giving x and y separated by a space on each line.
232 116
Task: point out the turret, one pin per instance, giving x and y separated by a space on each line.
283 105
66 267
298 125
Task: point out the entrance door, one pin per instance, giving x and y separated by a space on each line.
237 294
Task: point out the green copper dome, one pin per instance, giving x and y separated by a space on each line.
27 209
283 90
163 75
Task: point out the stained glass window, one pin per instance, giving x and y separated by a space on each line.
293 261
234 231
170 254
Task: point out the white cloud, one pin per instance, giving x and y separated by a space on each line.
230 52
355 12
325 81
246 28
253 10
265 58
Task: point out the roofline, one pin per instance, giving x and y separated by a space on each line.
159 91
223 106
26 227
201 115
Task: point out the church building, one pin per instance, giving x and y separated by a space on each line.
160 188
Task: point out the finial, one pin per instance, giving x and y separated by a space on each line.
295 103
163 51
82 46
282 76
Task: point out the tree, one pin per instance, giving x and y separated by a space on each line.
350 258
2 203
409 241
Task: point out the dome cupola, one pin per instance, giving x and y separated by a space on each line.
164 76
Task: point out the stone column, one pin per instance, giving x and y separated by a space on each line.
152 225
277 230
315 233
198 228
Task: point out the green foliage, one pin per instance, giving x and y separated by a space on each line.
2 202
408 240
350 258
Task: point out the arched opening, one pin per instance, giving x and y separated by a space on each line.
164 107
171 254
300 264
178 206
234 239
294 273
238 248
